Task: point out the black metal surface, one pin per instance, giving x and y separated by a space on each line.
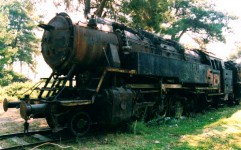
155 65
121 107
35 110
227 81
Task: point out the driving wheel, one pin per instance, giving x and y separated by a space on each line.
79 123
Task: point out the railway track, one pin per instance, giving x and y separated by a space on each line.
31 139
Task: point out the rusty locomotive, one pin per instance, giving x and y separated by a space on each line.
110 77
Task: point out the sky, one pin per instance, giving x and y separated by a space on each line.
221 50
232 6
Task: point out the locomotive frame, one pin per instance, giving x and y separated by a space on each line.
113 77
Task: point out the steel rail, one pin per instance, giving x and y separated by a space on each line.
5 136
37 143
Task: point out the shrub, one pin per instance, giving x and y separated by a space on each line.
9 76
5 79
16 90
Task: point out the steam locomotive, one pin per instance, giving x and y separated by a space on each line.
111 77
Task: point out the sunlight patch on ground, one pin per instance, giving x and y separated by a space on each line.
222 134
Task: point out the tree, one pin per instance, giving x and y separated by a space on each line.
147 14
17 40
122 9
237 52
169 17
101 8
199 19
21 25
6 38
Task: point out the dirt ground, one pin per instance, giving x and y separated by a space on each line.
11 122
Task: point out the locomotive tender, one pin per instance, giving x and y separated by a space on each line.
110 77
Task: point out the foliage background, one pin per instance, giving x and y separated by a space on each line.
18 42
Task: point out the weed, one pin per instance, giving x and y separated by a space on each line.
216 129
139 128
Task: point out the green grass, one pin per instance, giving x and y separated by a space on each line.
215 129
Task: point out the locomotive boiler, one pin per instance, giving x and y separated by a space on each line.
112 77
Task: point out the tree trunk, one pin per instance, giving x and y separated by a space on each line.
87 7
21 67
10 65
179 37
100 8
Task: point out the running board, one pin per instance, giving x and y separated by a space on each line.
75 102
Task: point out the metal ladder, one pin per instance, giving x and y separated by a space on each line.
55 88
